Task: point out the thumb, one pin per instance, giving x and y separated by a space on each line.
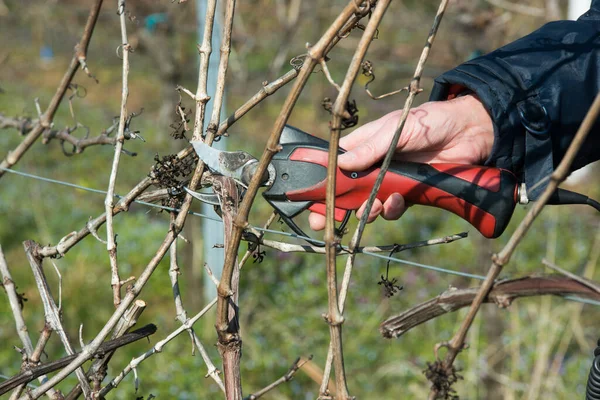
368 144
362 156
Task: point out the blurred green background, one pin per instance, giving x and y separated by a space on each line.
538 348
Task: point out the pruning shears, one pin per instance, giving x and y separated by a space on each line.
296 180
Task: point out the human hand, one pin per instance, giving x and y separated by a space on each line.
458 131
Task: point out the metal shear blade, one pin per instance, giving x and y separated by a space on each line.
226 163
208 198
238 165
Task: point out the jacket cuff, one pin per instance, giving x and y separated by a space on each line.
515 113
497 95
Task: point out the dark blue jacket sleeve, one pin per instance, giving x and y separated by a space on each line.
537 91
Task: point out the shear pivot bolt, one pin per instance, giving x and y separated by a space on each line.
285 177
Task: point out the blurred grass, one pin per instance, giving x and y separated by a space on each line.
282 298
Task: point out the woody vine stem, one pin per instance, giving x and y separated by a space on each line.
111 245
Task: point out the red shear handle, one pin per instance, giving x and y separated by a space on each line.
484 197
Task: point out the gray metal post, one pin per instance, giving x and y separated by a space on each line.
212 231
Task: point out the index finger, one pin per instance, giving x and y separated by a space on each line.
364 132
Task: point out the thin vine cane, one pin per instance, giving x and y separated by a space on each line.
334 317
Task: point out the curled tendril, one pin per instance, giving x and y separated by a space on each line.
126 47
367 70
79 92
298 61
362 28
127 132
179 125
65 152
70 131
345 35
119 52
254 247
362 10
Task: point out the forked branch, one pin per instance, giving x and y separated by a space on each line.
45 122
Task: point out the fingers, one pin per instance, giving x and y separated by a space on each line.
368 144
316 221
392 209
375 210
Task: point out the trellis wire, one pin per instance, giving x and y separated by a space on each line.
382 256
